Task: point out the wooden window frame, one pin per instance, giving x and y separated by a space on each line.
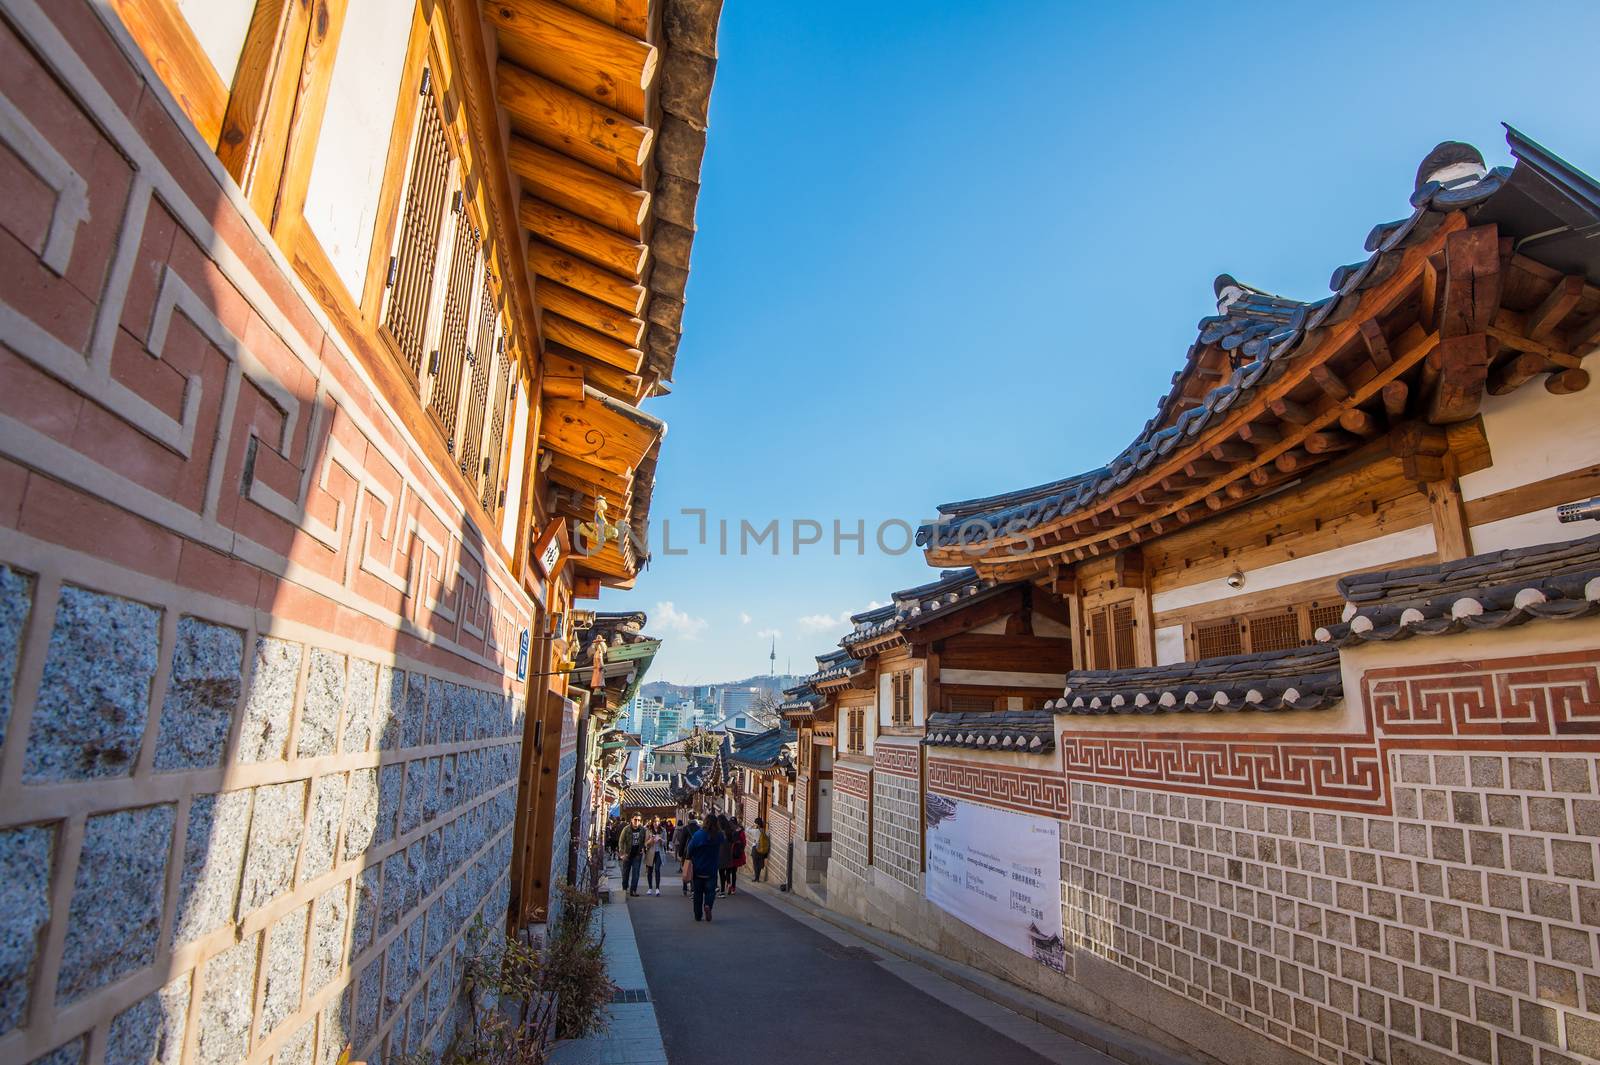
1101 643
855 731
902 698
1302 611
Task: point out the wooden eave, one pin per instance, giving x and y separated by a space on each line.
1460 315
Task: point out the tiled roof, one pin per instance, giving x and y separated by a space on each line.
1301 678
1489 591
651 793
1266 332
1032 731
834 666
766 750
911 607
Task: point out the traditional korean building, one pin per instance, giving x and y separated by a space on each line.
811 828
329 331
766 772
1320 781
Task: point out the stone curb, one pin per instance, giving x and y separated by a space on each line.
1096 1034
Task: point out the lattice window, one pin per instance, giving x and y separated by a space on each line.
901 684
1122 634
417 248
1275 632
1323 615
1112 636
1214 639
969 704
1100 640
497 431
480 356
857 738
446 363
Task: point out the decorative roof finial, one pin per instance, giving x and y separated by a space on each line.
1450 161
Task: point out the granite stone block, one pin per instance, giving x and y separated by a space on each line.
369 1004
150 1032
213 858
286 959
329 916
226 1004
333 1029
368 895
388 714
414 952
416 789
394 892
391 780
395 980
416 713
322 829
360 812
26 858
94 696
270 703
432 788
358 716
16 603
324 703
275 830
416 873
202 695
299 1048
68 1053
114 919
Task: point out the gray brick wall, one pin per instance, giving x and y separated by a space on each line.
296 833
897 828
850 833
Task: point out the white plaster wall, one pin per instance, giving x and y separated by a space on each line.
919 707
346 175
1169 645
1525 530
1340 560
1043 626
997 627
1001 678
220 27
519 446
1534 435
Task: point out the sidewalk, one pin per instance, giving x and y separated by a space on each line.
632 1036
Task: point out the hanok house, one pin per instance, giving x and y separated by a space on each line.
764 769
811 821
961 645
327 330
1322 779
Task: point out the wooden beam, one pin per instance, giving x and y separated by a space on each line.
555 178
1451 534
569 362
1233 451
1395 396
578 235
1556 306
1328 441
1511 329
1567 382
577 273
630 16
572 49
255 130
1511 374
1462 363
603 318
598 345
1359 422
574 125
1260 434
1294 459
1472 281
1290 411
614 486
1377 344
1430 291
164 36
1329 382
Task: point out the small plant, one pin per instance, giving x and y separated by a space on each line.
575 967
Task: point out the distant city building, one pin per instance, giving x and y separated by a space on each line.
736 698
644 717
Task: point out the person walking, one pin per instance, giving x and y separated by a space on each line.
737 831
631 848
705 852
613 831
725 855
763 847
653 842
680 848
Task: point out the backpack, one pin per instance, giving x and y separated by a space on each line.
763 843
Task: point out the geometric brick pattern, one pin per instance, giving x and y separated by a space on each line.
852 824
897 826
848 780
1467 922
1033 791
906 760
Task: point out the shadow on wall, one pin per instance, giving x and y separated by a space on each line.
260 745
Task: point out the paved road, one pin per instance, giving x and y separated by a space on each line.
792 993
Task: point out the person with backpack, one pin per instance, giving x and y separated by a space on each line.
680 850
631 847
763 847
705 854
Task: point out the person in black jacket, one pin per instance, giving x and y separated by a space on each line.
631 847
705 851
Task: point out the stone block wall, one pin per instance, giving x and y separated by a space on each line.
260 736
897 814
852 825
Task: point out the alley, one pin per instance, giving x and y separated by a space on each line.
821 997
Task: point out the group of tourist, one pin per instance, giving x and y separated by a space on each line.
709 855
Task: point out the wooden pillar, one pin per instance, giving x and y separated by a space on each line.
1451 534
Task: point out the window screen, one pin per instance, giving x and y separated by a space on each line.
417 248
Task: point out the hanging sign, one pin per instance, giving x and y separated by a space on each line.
999 872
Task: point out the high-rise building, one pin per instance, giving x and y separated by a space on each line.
736 698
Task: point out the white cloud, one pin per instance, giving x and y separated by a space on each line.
744 619
818 622
669 618
769 634
875 605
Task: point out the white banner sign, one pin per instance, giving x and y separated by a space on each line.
999 872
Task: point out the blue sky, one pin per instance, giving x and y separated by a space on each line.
953 249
